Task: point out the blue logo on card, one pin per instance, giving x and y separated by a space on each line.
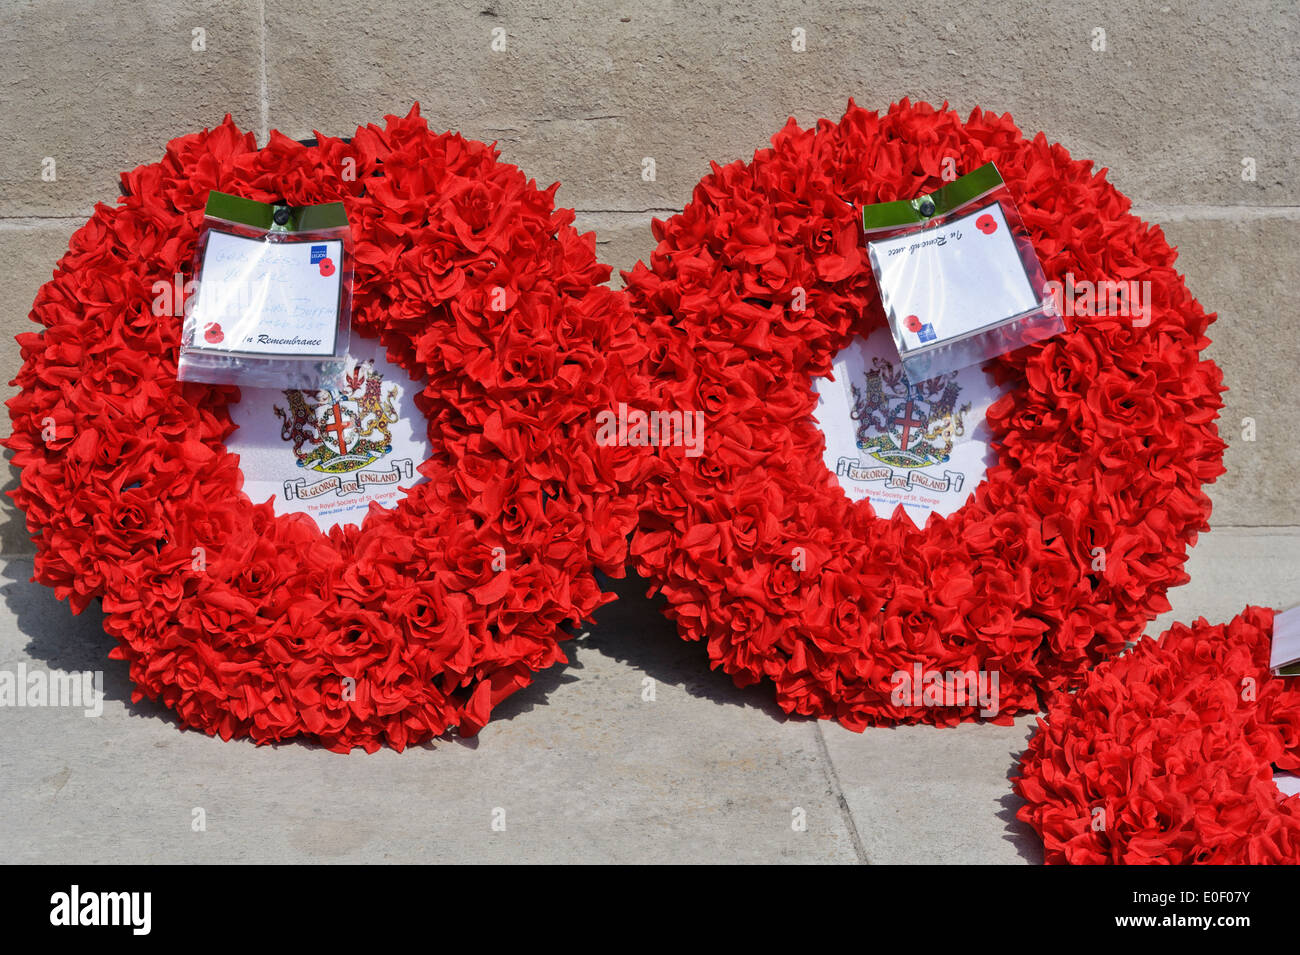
926 334
317 253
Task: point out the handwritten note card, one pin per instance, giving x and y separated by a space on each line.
267 298
944 282
1285 656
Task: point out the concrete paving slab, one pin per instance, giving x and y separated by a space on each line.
579 766
926 794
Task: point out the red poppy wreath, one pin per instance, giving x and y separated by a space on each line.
429 613
1166 754
1098 445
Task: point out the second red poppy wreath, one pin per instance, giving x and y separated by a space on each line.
1167 755
1099 439
425 615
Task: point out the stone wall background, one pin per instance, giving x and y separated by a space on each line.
1180 95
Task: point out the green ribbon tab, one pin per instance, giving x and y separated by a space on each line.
264 215
924 208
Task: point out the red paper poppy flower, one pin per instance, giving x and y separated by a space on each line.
251 624
1103 440
1167 754
913 323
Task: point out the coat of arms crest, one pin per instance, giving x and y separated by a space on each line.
339 431
907 425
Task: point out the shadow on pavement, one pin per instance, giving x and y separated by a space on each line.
631 630
1020 834
66 641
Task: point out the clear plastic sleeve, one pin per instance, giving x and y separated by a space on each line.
273 303
958 276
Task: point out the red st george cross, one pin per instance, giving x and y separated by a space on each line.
908 422
339 427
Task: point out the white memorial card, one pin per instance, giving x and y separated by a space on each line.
923 445
1285 656
267 298
946 282
329 454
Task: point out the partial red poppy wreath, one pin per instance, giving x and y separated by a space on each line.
1103 441
436 609
1167 754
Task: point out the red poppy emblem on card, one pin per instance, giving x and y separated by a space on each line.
913 323
327 267
986 224
213 334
